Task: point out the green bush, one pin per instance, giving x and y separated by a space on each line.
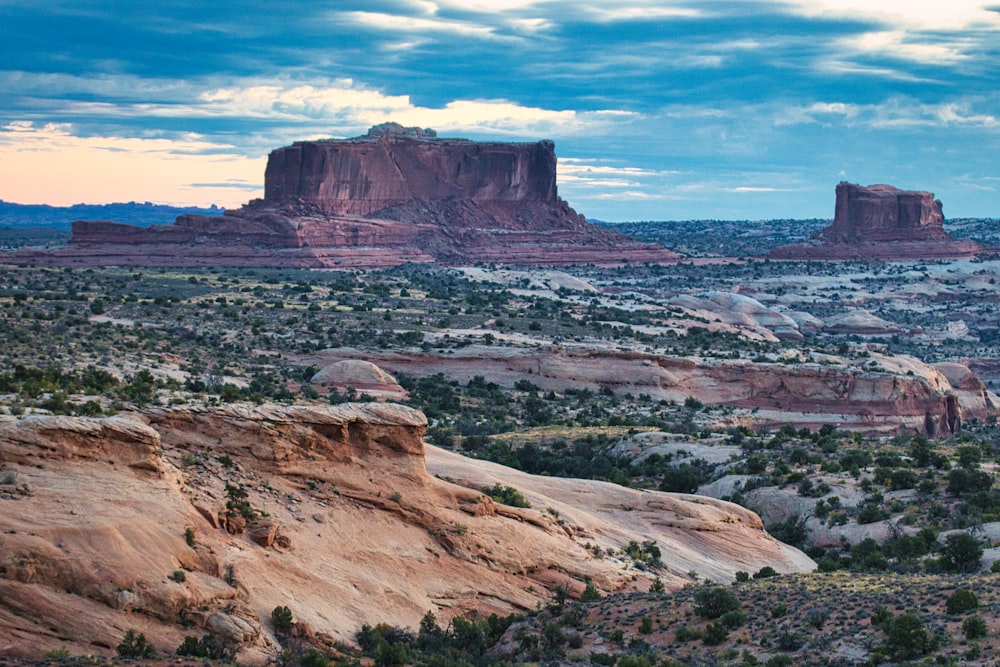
907 637
209 646
713 601
715 634
506 495
282 619
961 601
961 553
135 646
974 627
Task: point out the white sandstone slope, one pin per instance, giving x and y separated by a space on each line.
98 516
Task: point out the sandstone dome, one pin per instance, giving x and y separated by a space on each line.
353 372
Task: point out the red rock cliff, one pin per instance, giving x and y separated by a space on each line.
885 223
884 213
389 168
394 196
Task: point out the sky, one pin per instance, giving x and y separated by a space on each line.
659 110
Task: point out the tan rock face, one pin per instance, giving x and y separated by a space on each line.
349 528
874 394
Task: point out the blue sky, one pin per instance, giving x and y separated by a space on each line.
660 110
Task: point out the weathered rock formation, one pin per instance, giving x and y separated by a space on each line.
882 222
875 394
394 196
391 167
346 526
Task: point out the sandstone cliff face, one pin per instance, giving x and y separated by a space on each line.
395 196
882 222
351 528
884 213
877 394
362 176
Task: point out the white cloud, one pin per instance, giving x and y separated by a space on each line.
409 24
918 14
897 44
895 113
607 13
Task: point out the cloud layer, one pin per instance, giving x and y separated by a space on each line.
662 109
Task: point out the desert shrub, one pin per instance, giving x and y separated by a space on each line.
590 593
733 619
779 610
506 495
791 532
961 601
606 659
742 576
907 637
817 618
282 619
209 646
974 627
765 572
135 646
713 601
788 640
961 553
779 660
237 502
629 660
962 481
646 625
179 576
715 634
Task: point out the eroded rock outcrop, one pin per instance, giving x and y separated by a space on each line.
882 222
349 520
394 196
875 393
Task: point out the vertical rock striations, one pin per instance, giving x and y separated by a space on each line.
393 196
882 222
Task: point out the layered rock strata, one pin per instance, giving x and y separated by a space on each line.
875 394
394 196
337 512
882 222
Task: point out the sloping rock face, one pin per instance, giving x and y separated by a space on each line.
347 520
876 394
394 196
882 222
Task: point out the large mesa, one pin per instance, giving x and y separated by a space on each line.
882 222
392 196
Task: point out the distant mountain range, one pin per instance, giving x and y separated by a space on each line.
61 217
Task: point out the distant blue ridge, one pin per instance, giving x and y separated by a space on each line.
61 217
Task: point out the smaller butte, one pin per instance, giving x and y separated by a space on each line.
882 222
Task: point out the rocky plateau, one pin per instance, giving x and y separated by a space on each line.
118 523
397 195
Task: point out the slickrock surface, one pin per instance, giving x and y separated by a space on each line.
394 196
349 528
882 222
877 393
